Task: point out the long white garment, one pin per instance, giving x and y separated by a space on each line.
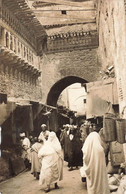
35 161
53 140
26 152
49 170
26 143
44 135
94 165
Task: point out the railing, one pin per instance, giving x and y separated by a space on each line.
7 16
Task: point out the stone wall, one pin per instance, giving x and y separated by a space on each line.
10 164
78 63
4 169
19 87
112 41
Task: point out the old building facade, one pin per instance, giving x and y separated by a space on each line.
80 46
21 40
47 45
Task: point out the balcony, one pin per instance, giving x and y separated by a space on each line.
17 54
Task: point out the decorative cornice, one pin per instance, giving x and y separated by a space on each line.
71 34
53 26
72 41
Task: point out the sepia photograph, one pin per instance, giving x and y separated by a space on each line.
63 96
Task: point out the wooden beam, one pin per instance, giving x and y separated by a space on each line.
48 106
86 5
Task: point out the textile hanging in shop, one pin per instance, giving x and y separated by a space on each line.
100 97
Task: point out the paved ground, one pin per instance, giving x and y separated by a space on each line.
25 183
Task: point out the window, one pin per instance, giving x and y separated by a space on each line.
84 101
7 39
63 12
11 42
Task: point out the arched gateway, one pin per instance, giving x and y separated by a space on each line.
53 96
58 87
62 69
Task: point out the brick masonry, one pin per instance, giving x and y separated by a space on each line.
79 63
19 88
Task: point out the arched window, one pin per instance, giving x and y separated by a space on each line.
7 39
15 44
19 47
11 42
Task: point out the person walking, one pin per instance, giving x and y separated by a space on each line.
35 161
74 148
49 173
53 140
65 141
94 165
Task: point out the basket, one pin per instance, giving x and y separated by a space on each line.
109 127
120 130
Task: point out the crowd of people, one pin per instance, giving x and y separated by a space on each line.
79 146
45 157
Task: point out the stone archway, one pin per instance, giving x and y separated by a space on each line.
54 93
59 86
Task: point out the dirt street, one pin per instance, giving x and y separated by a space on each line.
25 183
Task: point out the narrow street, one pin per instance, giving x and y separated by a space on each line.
25 183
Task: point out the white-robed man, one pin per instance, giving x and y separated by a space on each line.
53 140
94 165
45 133
26 155
49 173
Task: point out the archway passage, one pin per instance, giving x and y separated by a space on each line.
58 87
54 94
